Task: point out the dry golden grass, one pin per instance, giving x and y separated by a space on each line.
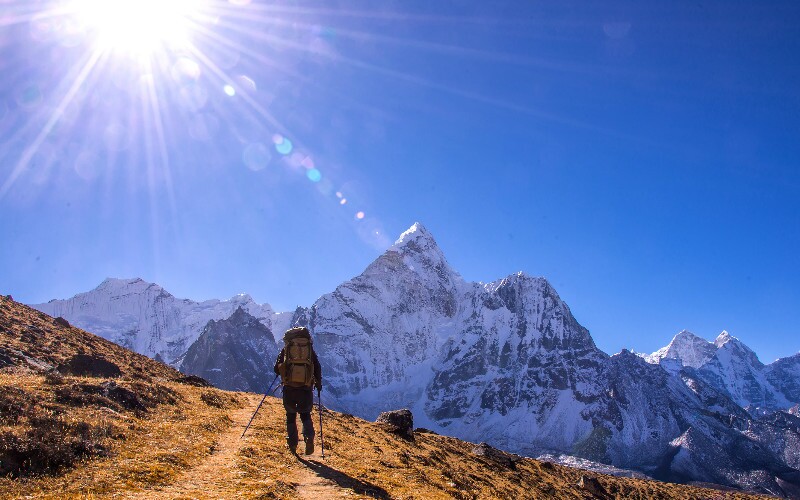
367 462
146 435
145 450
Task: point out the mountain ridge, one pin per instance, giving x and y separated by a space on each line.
506 362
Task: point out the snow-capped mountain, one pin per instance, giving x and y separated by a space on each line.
687 349
503 362
379 333
147 319
731 367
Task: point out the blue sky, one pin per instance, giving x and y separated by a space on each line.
643 156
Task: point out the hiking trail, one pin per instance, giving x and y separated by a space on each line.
312 486
217 475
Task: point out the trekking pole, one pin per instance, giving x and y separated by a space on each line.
259 406
321 439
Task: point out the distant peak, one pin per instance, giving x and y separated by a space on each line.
723 338
417 239
121 281
118 285
686 348
687 335
417 230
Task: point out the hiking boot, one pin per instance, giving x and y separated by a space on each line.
309 445
292 447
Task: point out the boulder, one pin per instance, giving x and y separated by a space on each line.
592 486
503 458
85 365
61 322
399 422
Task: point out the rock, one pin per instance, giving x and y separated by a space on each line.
53 377
126 398
399 422
503 458
592 486
61 322
91 366
7 358
423 430
547 465
194 380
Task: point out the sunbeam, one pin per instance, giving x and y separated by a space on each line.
33 147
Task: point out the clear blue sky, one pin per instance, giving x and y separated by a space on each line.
643 156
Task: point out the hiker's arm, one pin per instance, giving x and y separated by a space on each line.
279 361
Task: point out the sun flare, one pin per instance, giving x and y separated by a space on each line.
139 27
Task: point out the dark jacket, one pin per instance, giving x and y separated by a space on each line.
317 367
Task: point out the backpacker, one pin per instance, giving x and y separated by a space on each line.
297 369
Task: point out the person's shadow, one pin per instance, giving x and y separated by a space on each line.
345 481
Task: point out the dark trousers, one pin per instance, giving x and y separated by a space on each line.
298 400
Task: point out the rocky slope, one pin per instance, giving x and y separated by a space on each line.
235 353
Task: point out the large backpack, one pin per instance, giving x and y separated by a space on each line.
297 369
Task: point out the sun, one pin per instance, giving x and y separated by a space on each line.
138 27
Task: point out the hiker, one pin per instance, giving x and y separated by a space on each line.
300 371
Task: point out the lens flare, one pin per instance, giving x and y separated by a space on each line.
282 144
314 175
256 156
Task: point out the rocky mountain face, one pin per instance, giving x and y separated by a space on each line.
507 363
784 375
235 353
147 319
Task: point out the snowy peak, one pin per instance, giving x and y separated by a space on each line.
416 233
723 338
686 348
145 318
726 364
416 255
417 240
737 349
121 286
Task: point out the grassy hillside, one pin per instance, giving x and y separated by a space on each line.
83 418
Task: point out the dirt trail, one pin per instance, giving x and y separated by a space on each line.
316 480
313 486
217 475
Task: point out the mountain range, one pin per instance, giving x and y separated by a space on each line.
82 417
503 362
